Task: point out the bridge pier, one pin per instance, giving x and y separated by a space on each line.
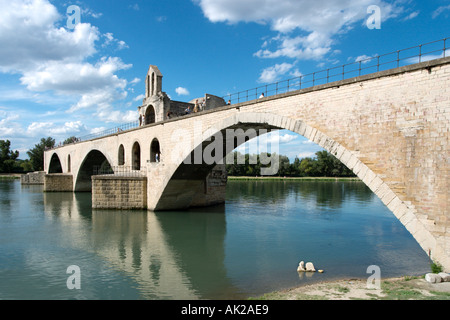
140 192
119 192
58 182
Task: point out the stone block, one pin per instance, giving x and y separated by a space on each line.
433 278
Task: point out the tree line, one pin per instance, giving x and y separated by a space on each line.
10 162
323 165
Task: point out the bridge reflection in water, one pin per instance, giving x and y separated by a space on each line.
172 255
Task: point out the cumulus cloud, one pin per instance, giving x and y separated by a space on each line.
273 73
305 30
29 36
36 129
182 91
49 58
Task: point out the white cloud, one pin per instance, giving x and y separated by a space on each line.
182 91
139 97
110 40
97 130
29 36
273 73
109 115
135 81
440 10
8 126
306 154
306 29
412 15
365 58
36 129
53 59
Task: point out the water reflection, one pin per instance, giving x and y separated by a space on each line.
323 194
249 246
173 255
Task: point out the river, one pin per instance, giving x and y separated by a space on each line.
249 246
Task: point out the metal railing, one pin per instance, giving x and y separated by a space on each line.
424 52
107 132
124 171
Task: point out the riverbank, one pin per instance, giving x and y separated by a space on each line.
296 178
9 176
404 288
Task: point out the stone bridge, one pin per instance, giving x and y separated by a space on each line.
390 128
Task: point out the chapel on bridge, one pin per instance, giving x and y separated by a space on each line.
157 106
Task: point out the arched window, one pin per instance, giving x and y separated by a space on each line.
155 151
136 159
153 83
150 116
121 155
68 164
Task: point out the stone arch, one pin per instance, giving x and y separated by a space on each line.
150 115
406 214
95 162
155 151
121 155
136 156
55 164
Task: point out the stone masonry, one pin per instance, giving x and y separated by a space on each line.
391 128
115 192
58 183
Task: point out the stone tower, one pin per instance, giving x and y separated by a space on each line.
156 102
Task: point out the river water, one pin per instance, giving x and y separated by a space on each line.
249 246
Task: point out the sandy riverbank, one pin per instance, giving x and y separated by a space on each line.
404 288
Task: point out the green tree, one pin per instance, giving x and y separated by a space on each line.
7 157
26 165
36 154
70 140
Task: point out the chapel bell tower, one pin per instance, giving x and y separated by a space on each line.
153 107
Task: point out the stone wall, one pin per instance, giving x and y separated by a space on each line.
177 108
58 182
114 192
33 178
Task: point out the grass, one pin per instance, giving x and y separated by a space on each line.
406 288
436 267
9 178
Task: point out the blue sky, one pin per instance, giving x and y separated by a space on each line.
59 82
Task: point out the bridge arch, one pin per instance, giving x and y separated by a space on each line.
55 164
183 172
94 162
150 115
121 155
136 156
155 151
